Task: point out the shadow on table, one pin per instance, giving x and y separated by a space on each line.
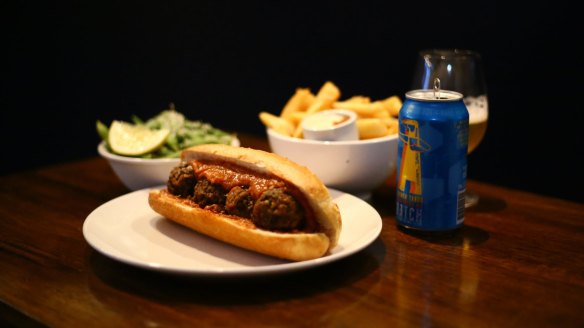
464 236
168 287
384 202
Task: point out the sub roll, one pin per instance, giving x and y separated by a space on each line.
252 199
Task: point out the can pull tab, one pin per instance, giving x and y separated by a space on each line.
437 88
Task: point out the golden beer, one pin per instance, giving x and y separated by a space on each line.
477 123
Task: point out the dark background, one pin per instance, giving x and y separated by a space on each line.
67 64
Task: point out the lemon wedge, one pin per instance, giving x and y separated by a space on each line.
135 140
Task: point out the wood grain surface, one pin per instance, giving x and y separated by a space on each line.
517 262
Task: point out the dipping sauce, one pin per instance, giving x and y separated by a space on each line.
331 125
327 121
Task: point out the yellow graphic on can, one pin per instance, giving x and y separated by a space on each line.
410 173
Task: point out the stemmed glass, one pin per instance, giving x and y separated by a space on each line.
461 71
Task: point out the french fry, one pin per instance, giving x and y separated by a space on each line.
359 99
363 110
277 123
298 133
381 113
318 105
296 117
371 128
299 102
329 91
325 97
392 104
392 129
392 124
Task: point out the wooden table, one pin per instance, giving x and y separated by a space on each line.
518 261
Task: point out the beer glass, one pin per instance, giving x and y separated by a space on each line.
461 71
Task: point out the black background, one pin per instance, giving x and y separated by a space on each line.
67 64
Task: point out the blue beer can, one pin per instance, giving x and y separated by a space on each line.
432 162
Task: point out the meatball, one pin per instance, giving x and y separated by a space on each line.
239 202
207 193
181 181
277 210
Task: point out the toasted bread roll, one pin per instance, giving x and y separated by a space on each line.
312 233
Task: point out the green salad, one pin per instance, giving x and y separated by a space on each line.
162 136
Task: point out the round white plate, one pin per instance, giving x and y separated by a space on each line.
128 230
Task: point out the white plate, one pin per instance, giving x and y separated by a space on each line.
128 230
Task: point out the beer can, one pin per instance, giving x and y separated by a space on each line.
432 162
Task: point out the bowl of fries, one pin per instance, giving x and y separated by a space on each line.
355 166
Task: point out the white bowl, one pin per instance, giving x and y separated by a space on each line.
139 173
356 167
